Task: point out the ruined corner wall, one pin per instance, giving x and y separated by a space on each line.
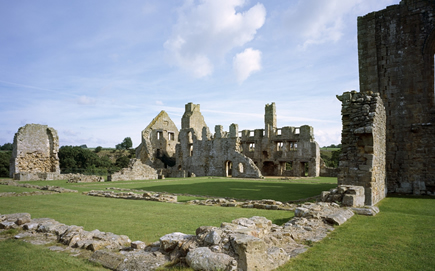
35 151
362 161
396 48
136 170
159 140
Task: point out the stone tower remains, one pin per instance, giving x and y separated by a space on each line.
35 153
396 48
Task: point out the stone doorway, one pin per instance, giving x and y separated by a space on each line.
228 169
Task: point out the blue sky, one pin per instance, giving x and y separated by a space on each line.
99 71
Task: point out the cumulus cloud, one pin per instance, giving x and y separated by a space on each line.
245 63
207 30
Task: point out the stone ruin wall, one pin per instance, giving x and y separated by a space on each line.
159 140
396 48
272 148
198 152
362 161
35 151
206 155
136 170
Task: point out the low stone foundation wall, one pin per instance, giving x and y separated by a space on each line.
130 195
244 244
80 178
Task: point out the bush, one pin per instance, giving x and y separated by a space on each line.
98 149
5 158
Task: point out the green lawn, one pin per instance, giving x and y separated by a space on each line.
282 190
17 189
400 237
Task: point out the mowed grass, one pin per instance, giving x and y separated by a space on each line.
140 220
19 255
282 190
16 189
400 237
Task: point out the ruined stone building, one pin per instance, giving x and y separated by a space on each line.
159 139
35 153
289 151
396 48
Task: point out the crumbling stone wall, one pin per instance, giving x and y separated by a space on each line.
207 155
159 139
396 48
289 151
362 159
35 151
136 170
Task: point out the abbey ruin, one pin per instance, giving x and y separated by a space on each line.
195 151
392 149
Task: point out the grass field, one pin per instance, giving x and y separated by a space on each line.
282 190
401 237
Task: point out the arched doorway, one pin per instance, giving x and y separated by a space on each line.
228 168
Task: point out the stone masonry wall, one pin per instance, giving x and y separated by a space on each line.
136 170
35 150
362 161
396 48
159 140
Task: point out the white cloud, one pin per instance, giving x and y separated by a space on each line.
206 31
319 22
159 102
245 63
85 100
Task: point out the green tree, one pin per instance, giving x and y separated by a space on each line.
98 149
5 157
125 144
7 147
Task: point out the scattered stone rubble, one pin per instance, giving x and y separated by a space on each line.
244 244
50 189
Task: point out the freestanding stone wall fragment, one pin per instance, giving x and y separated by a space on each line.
35 152
396 48
362 161
136 170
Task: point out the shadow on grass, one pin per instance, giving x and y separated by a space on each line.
246 190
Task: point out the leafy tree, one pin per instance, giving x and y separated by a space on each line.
125 144
122 162
5 157
7 147
98 149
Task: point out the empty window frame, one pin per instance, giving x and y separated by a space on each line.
159 135
171 136
279 145
293 146
251 146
